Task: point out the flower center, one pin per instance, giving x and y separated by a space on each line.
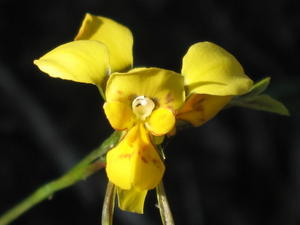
142 107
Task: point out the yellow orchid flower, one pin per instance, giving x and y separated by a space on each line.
144 102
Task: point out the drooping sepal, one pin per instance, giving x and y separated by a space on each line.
163 205
132 200
108 204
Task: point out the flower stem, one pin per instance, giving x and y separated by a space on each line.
86 167
164 208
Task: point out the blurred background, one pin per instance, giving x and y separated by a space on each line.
241 168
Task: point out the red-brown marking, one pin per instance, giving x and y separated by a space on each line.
144 148
198 107
144 159
131 97
128 155
169 98
156 163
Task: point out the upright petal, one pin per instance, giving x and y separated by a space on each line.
132 200
209 69
164 87
80 61
134 162
115 36
198 109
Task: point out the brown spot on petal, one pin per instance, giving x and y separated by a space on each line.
131 97
198 106
144 148
144 159
156 163
125 156
169 98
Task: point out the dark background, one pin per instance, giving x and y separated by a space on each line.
241 168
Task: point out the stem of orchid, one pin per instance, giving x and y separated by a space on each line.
164 208
108 204
86 167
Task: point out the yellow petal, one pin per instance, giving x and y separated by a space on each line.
164 87
115 36
161 121
119 115
80 61
198 109
210 69
134 162
132 200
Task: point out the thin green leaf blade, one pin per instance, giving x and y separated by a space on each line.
259 87
263 103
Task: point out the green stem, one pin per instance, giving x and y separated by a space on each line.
86 167
164 208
